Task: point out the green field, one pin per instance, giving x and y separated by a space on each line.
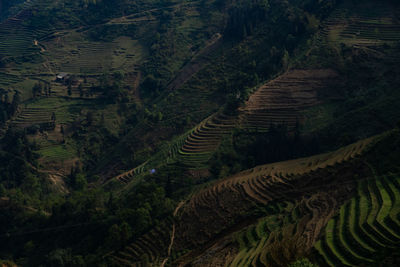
366 226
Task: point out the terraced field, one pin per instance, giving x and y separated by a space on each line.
269 182
193 148
286 169
15 39
41 110
33 116
150 248
282 100
168 154
362 26
204 139
126 177
65 55
290 190
279 101
252 241
367 224
277 239
7 79
56 153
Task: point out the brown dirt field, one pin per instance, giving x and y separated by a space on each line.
63 168
58 183
318 200
281 100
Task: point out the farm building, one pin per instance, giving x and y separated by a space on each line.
62 76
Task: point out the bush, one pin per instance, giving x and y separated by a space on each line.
302 263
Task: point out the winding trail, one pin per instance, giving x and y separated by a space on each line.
172 234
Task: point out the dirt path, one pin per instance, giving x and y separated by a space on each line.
172 234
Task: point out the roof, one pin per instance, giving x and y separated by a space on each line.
62 75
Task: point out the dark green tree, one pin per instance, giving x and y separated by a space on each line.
80 87
69 89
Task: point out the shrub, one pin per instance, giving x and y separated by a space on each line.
302 263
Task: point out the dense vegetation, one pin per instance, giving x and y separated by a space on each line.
246 149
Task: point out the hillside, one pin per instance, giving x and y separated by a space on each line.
199 133
323 97
273 214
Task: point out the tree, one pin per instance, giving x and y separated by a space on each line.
150 85
37 90
118 75
2 190
80 90
3 116
113 239
79 182
285 60
78 261
15 102
125 232
159 116
69 89
2 63
142 218
46 89
59 257
89 118
145 260
29 247
53 116
30 184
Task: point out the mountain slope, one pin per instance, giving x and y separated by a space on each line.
282 207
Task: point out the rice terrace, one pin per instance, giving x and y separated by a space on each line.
199 133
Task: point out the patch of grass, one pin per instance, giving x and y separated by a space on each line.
375 231
57 153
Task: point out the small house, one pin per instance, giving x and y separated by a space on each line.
62 76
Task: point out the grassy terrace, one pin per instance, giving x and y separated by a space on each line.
167 154
365 226
81 57
8 79
254 240
16 40
360 25
194 148
56 153
40 111
204 139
